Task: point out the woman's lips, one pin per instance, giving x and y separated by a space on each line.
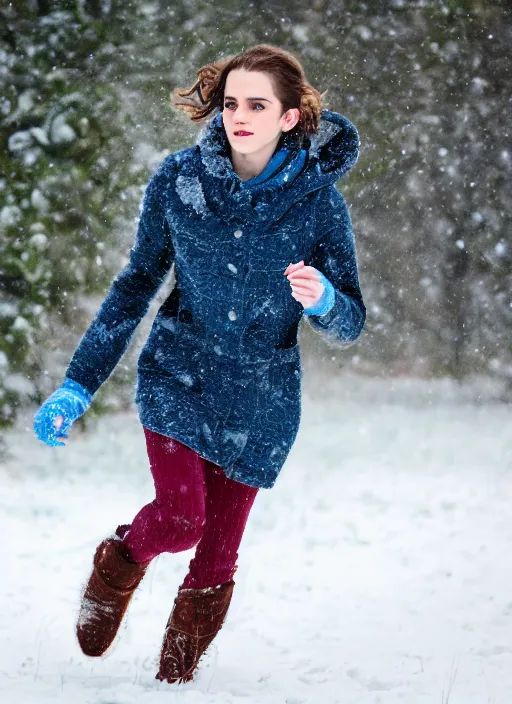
242 134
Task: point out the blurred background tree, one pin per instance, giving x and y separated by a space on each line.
85 117
65 176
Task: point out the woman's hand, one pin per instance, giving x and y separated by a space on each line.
305 283
59 411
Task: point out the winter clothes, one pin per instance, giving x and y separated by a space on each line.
221 371
195 504
196 618
107 594
70 400
327 300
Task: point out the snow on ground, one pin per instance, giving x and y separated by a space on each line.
377 570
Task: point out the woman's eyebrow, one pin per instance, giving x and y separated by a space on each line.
230 97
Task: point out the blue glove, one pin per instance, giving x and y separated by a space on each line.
70 400
326 301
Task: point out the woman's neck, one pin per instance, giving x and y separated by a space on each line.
246 166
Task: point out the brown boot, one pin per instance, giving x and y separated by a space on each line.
111 585
196 618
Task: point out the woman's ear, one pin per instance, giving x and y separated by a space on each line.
290 119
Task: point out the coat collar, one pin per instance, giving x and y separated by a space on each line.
291 173
323 159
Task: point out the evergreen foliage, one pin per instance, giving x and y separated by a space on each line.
64 172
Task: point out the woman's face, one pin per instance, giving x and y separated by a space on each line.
251 105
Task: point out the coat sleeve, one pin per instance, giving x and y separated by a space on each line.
131 292
334 255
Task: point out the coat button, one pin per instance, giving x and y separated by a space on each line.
238 233
232 268
232 315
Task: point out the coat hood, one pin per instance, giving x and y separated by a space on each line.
324 158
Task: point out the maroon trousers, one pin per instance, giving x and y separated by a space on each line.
195 504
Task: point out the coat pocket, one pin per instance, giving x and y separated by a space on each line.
284 396
173 350
285 373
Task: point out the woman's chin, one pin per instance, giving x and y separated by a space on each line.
243 148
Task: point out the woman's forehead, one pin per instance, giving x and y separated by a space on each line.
248 84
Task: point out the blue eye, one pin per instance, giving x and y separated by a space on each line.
254 105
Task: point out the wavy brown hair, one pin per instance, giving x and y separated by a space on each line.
286 75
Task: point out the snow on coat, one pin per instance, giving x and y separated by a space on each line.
221 369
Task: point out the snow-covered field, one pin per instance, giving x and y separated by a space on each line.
377 570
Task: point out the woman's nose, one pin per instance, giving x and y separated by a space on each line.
239 116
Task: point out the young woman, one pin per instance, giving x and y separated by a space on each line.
259 235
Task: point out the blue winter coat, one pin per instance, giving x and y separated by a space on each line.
221 369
